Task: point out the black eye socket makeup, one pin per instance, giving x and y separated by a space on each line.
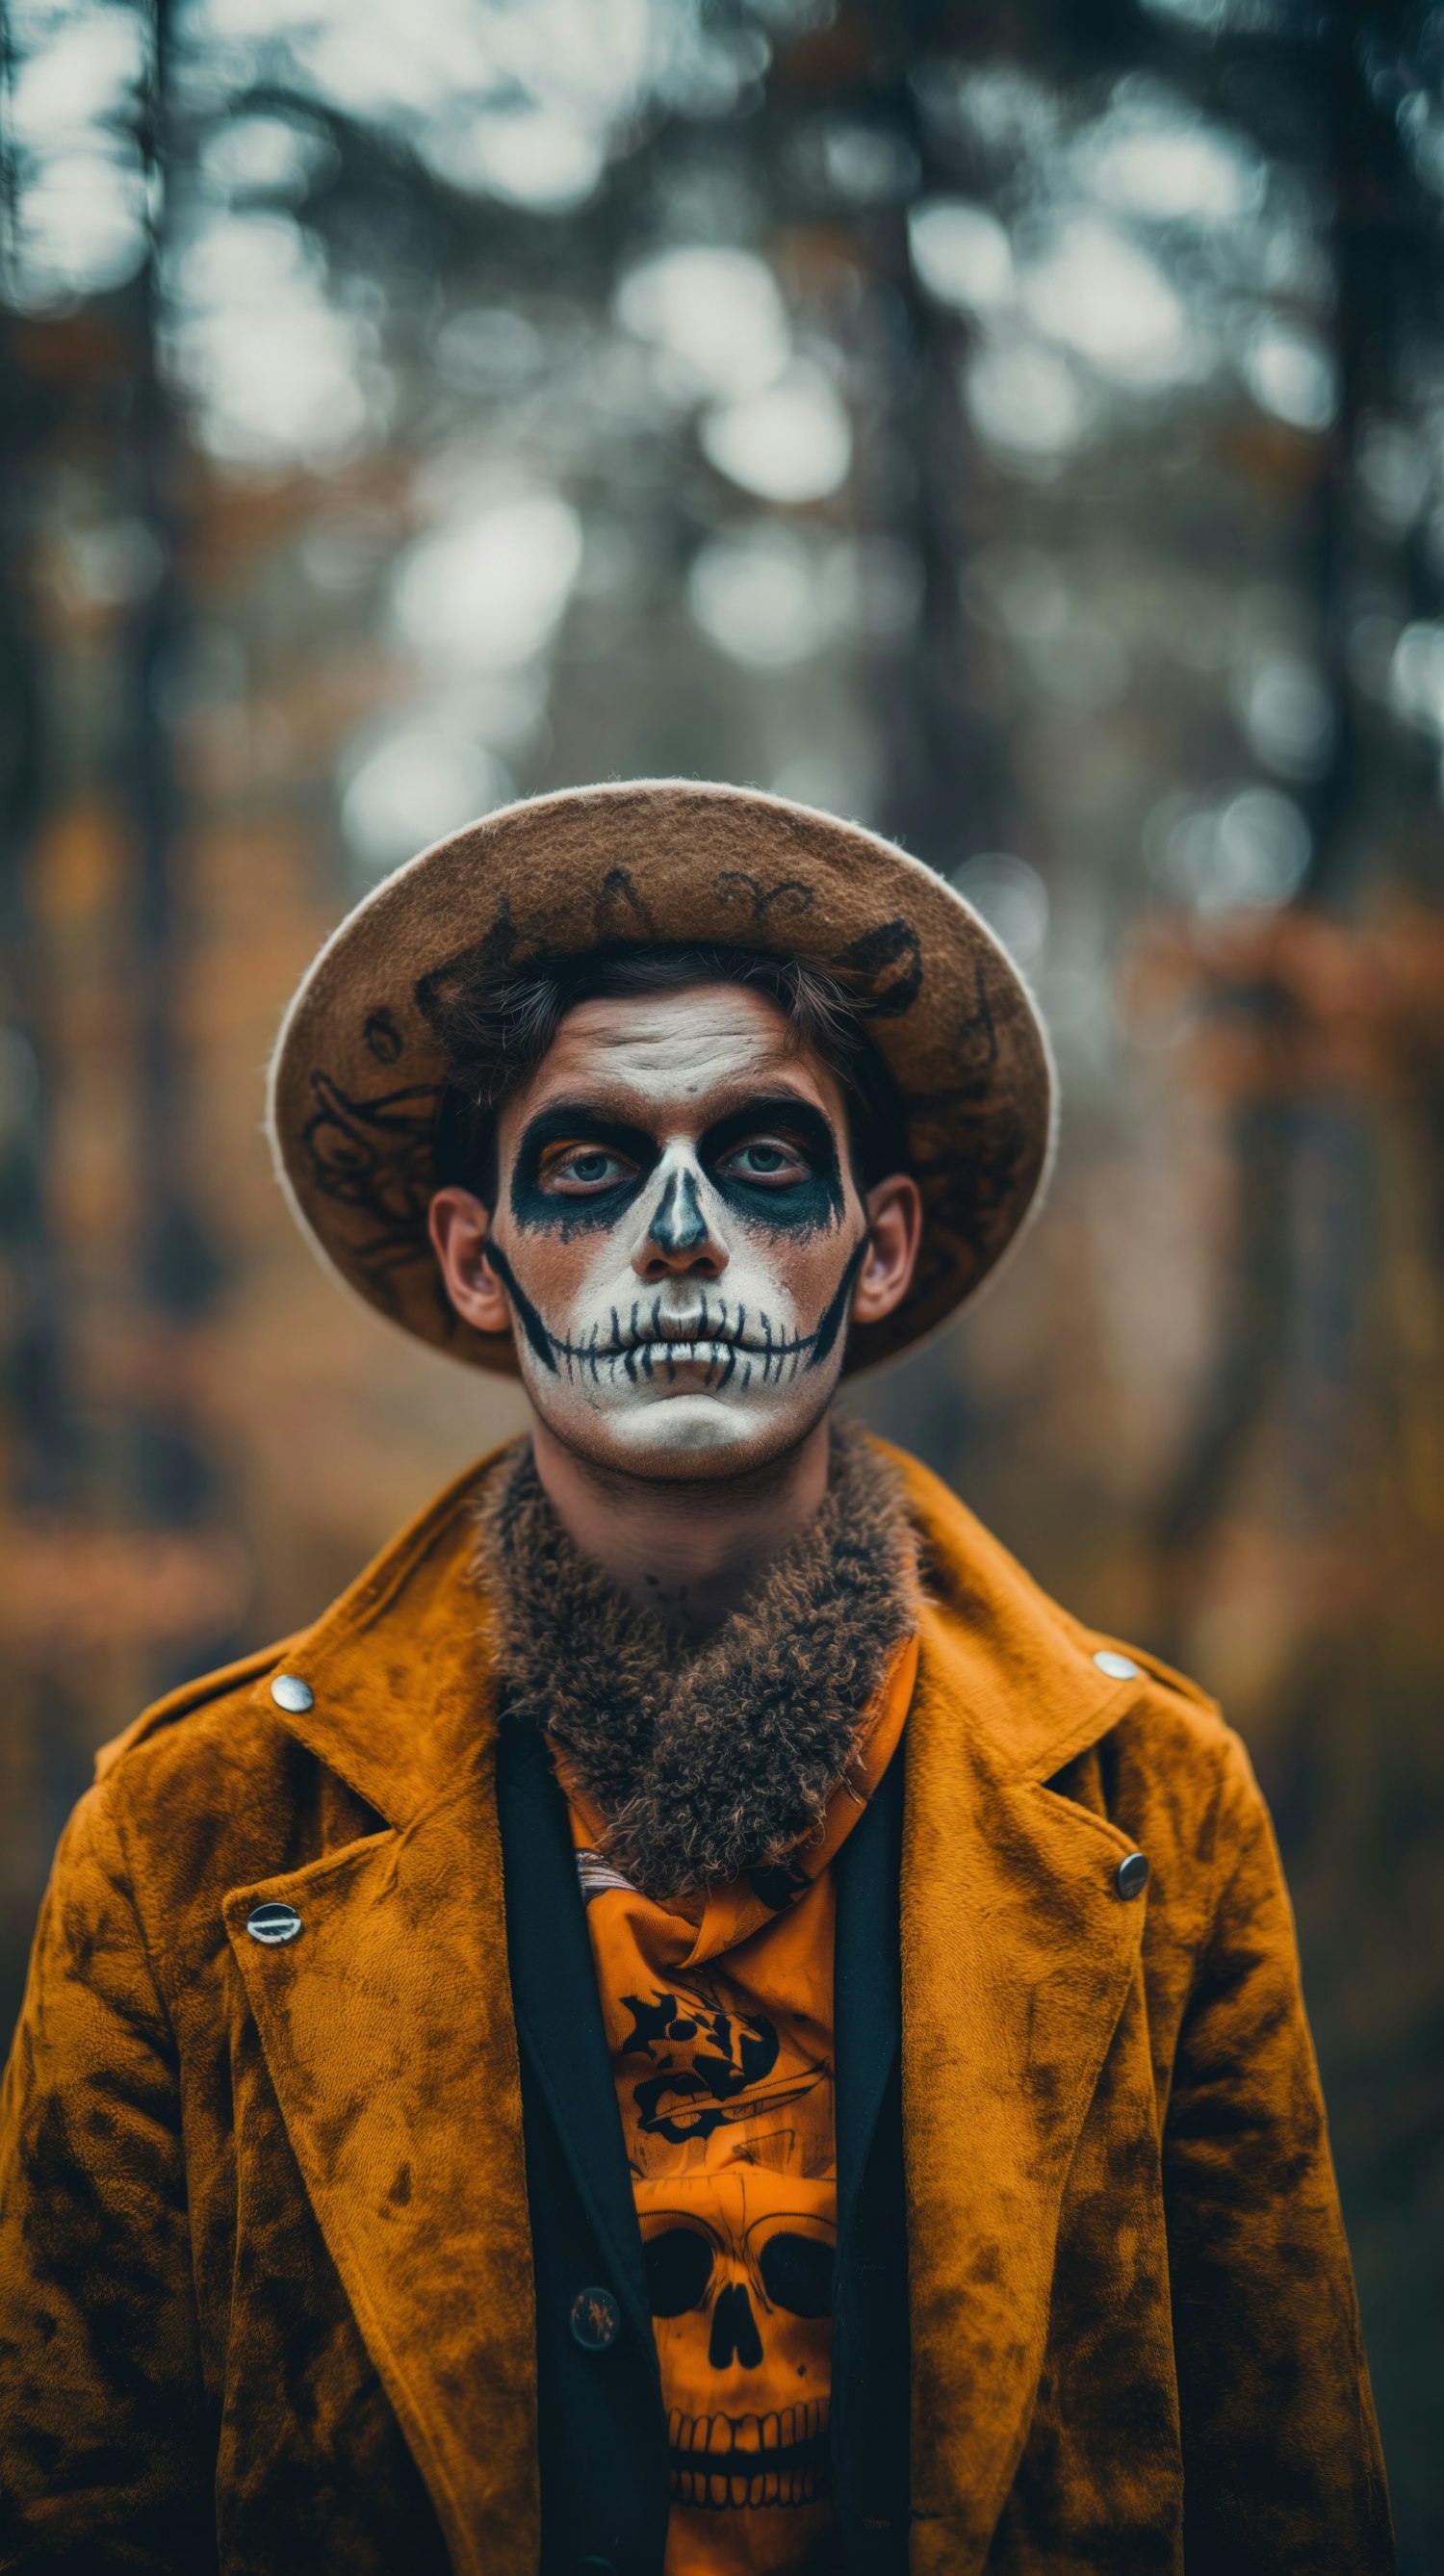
574 1123
792 1207
798 1206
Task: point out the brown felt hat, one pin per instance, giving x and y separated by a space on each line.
359 1067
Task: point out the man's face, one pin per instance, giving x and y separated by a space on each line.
678 1233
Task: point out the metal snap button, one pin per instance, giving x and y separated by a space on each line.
290 1692
1132 1876
1119 1668
273 1924
596 2320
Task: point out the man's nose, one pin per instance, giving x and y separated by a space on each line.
678 1234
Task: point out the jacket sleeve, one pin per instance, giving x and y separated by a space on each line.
102 2451
1283 2474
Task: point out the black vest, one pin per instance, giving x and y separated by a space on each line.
604 2473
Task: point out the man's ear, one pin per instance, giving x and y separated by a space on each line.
458 1223
895 1223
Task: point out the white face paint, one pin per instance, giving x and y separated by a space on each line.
679 1232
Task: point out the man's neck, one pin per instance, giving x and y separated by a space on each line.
689 1551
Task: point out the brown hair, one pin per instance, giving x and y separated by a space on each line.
497 1022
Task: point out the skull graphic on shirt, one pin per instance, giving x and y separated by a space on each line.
741 2292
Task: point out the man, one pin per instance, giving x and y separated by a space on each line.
695 2021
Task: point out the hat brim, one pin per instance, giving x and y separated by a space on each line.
358 1070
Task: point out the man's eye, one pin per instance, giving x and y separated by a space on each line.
767 1159
580 1168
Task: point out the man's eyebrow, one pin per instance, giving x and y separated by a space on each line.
621 1105
603 1119
771 1109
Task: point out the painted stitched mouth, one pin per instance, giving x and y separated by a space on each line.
722 1342
647 1335
719 2461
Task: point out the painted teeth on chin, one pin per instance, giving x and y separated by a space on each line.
651 1356
660 1337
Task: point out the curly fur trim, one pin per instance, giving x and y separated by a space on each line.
710 1760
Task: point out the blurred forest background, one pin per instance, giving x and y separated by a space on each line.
1018 426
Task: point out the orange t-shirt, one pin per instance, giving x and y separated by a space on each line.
718 2013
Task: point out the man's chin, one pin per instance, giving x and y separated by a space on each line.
687 1436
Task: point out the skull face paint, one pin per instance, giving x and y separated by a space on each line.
678 1231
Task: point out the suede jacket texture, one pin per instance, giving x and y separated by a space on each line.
266 2268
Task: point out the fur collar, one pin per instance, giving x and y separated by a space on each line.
719 1758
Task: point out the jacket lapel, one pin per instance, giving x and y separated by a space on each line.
1017 1956
389 2037
389 2040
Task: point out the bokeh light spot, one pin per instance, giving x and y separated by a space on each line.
717 311
791 442
490 587
412 786
1012 900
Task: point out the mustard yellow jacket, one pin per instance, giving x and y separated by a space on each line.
265 2263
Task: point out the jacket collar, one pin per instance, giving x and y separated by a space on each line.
1028 1690
400 1667
1017 1961
401 1674
389 2031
